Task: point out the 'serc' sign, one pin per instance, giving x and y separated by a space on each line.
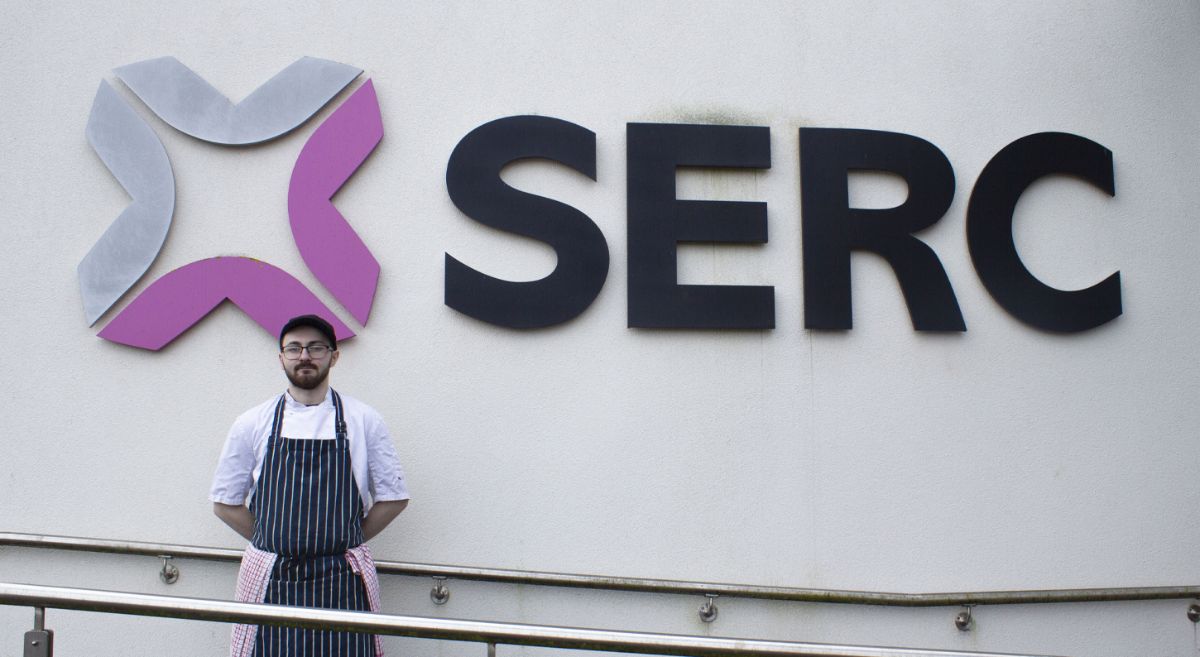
831 229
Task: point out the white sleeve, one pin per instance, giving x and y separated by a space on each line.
235 471
387 475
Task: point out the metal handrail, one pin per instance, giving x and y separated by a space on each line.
489 632
639 584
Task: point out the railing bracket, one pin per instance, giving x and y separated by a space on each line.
964 621
169 573
708 611
440 593
1194 612
39 642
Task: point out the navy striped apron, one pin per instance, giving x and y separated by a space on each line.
307 510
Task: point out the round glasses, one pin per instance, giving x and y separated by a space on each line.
316 351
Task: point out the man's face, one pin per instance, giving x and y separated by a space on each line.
307 372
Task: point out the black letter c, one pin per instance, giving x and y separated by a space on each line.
990 239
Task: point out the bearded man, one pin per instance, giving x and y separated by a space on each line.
321 477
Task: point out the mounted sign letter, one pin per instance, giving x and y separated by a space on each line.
990 239
173 303
188 103
473 181
329 246
658 222
137 159
832 229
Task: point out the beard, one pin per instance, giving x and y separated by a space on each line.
305 378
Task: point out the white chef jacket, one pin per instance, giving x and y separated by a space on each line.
377 469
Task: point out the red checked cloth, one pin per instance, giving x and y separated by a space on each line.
252 587
363 565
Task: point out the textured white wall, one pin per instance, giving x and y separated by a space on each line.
877 458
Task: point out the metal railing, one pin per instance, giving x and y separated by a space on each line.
491 633
639 584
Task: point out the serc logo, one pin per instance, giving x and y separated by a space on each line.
135 155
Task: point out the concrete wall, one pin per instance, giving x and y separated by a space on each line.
877 458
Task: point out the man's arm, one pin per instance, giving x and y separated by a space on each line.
238 517
385 475
380 515
234 477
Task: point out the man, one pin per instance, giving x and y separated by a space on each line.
322 477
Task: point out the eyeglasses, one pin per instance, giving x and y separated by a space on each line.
316 351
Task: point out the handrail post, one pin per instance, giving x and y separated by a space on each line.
39 642
491 649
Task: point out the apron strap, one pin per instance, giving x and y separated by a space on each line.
277 422
339 416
